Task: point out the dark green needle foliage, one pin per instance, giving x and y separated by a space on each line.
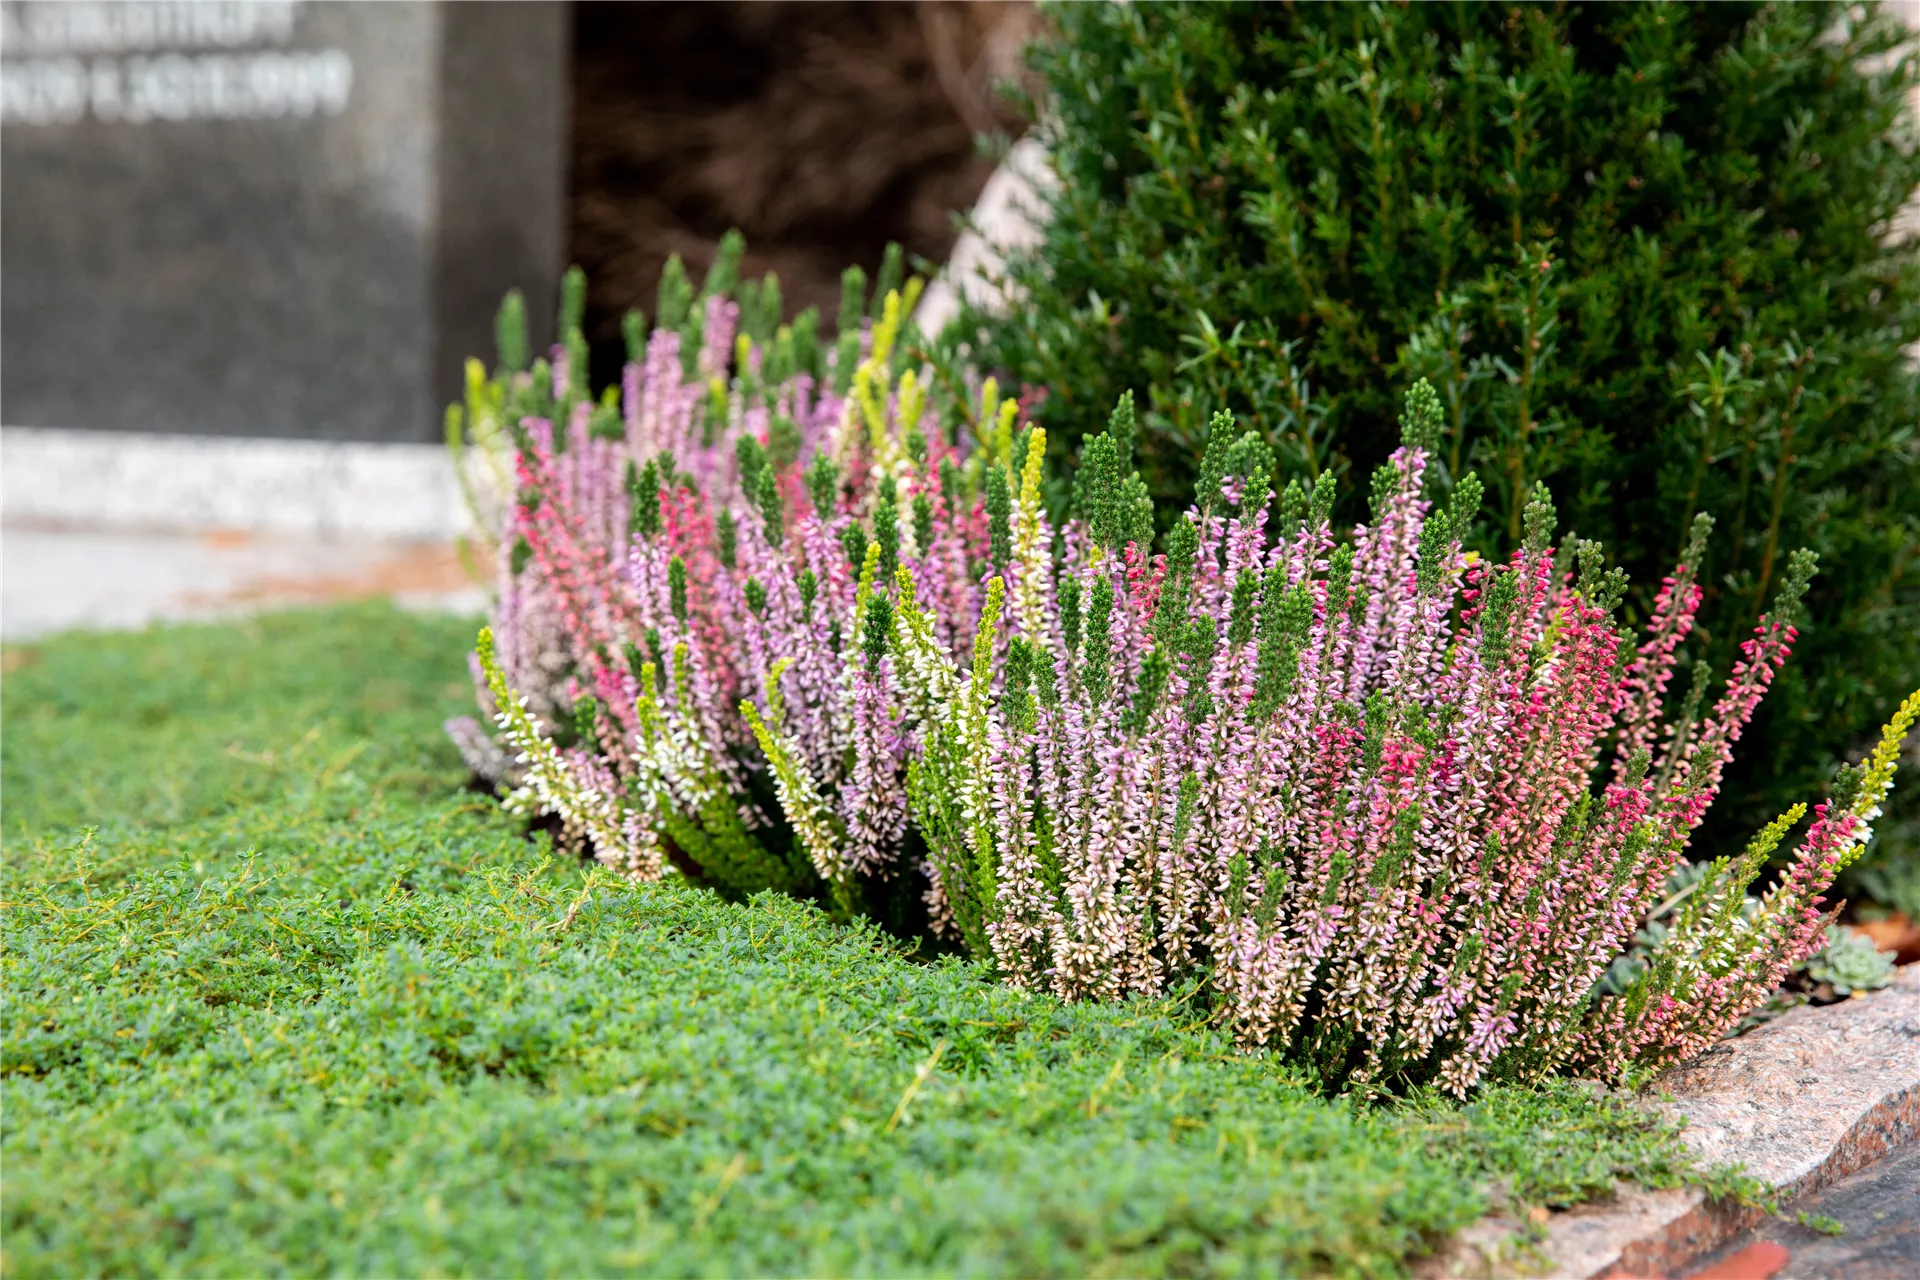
1643 251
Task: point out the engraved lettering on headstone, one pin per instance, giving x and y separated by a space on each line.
135 61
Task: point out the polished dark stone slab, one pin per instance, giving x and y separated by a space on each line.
271 219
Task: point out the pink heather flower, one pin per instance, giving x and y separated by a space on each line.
1348 790
697 632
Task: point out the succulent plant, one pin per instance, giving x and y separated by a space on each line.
1850 963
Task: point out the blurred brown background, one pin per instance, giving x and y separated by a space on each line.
821 130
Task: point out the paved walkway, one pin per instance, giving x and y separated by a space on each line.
1878 1210
53 579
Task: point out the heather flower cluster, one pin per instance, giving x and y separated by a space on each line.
1344 784
717 366
696 597
762 621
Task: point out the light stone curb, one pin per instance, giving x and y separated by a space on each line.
1009 215
306 488
1801 1102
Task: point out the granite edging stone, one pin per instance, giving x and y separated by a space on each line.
1801 1102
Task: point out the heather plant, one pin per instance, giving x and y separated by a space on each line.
729 328
1650 254
1341 785
1344 784
708 601
1340 789
1846 961
716 366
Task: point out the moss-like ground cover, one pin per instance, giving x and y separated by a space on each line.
301 1003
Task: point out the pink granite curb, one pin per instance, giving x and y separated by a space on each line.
1801 1102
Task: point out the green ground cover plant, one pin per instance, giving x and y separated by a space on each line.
303 1003
1643 251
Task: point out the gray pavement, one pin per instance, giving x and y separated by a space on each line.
1878 1212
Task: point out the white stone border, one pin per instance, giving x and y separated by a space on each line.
1010 214
311 488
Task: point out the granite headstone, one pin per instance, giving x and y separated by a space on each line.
271 218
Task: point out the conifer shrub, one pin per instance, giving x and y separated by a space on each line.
1337 790
1644 252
